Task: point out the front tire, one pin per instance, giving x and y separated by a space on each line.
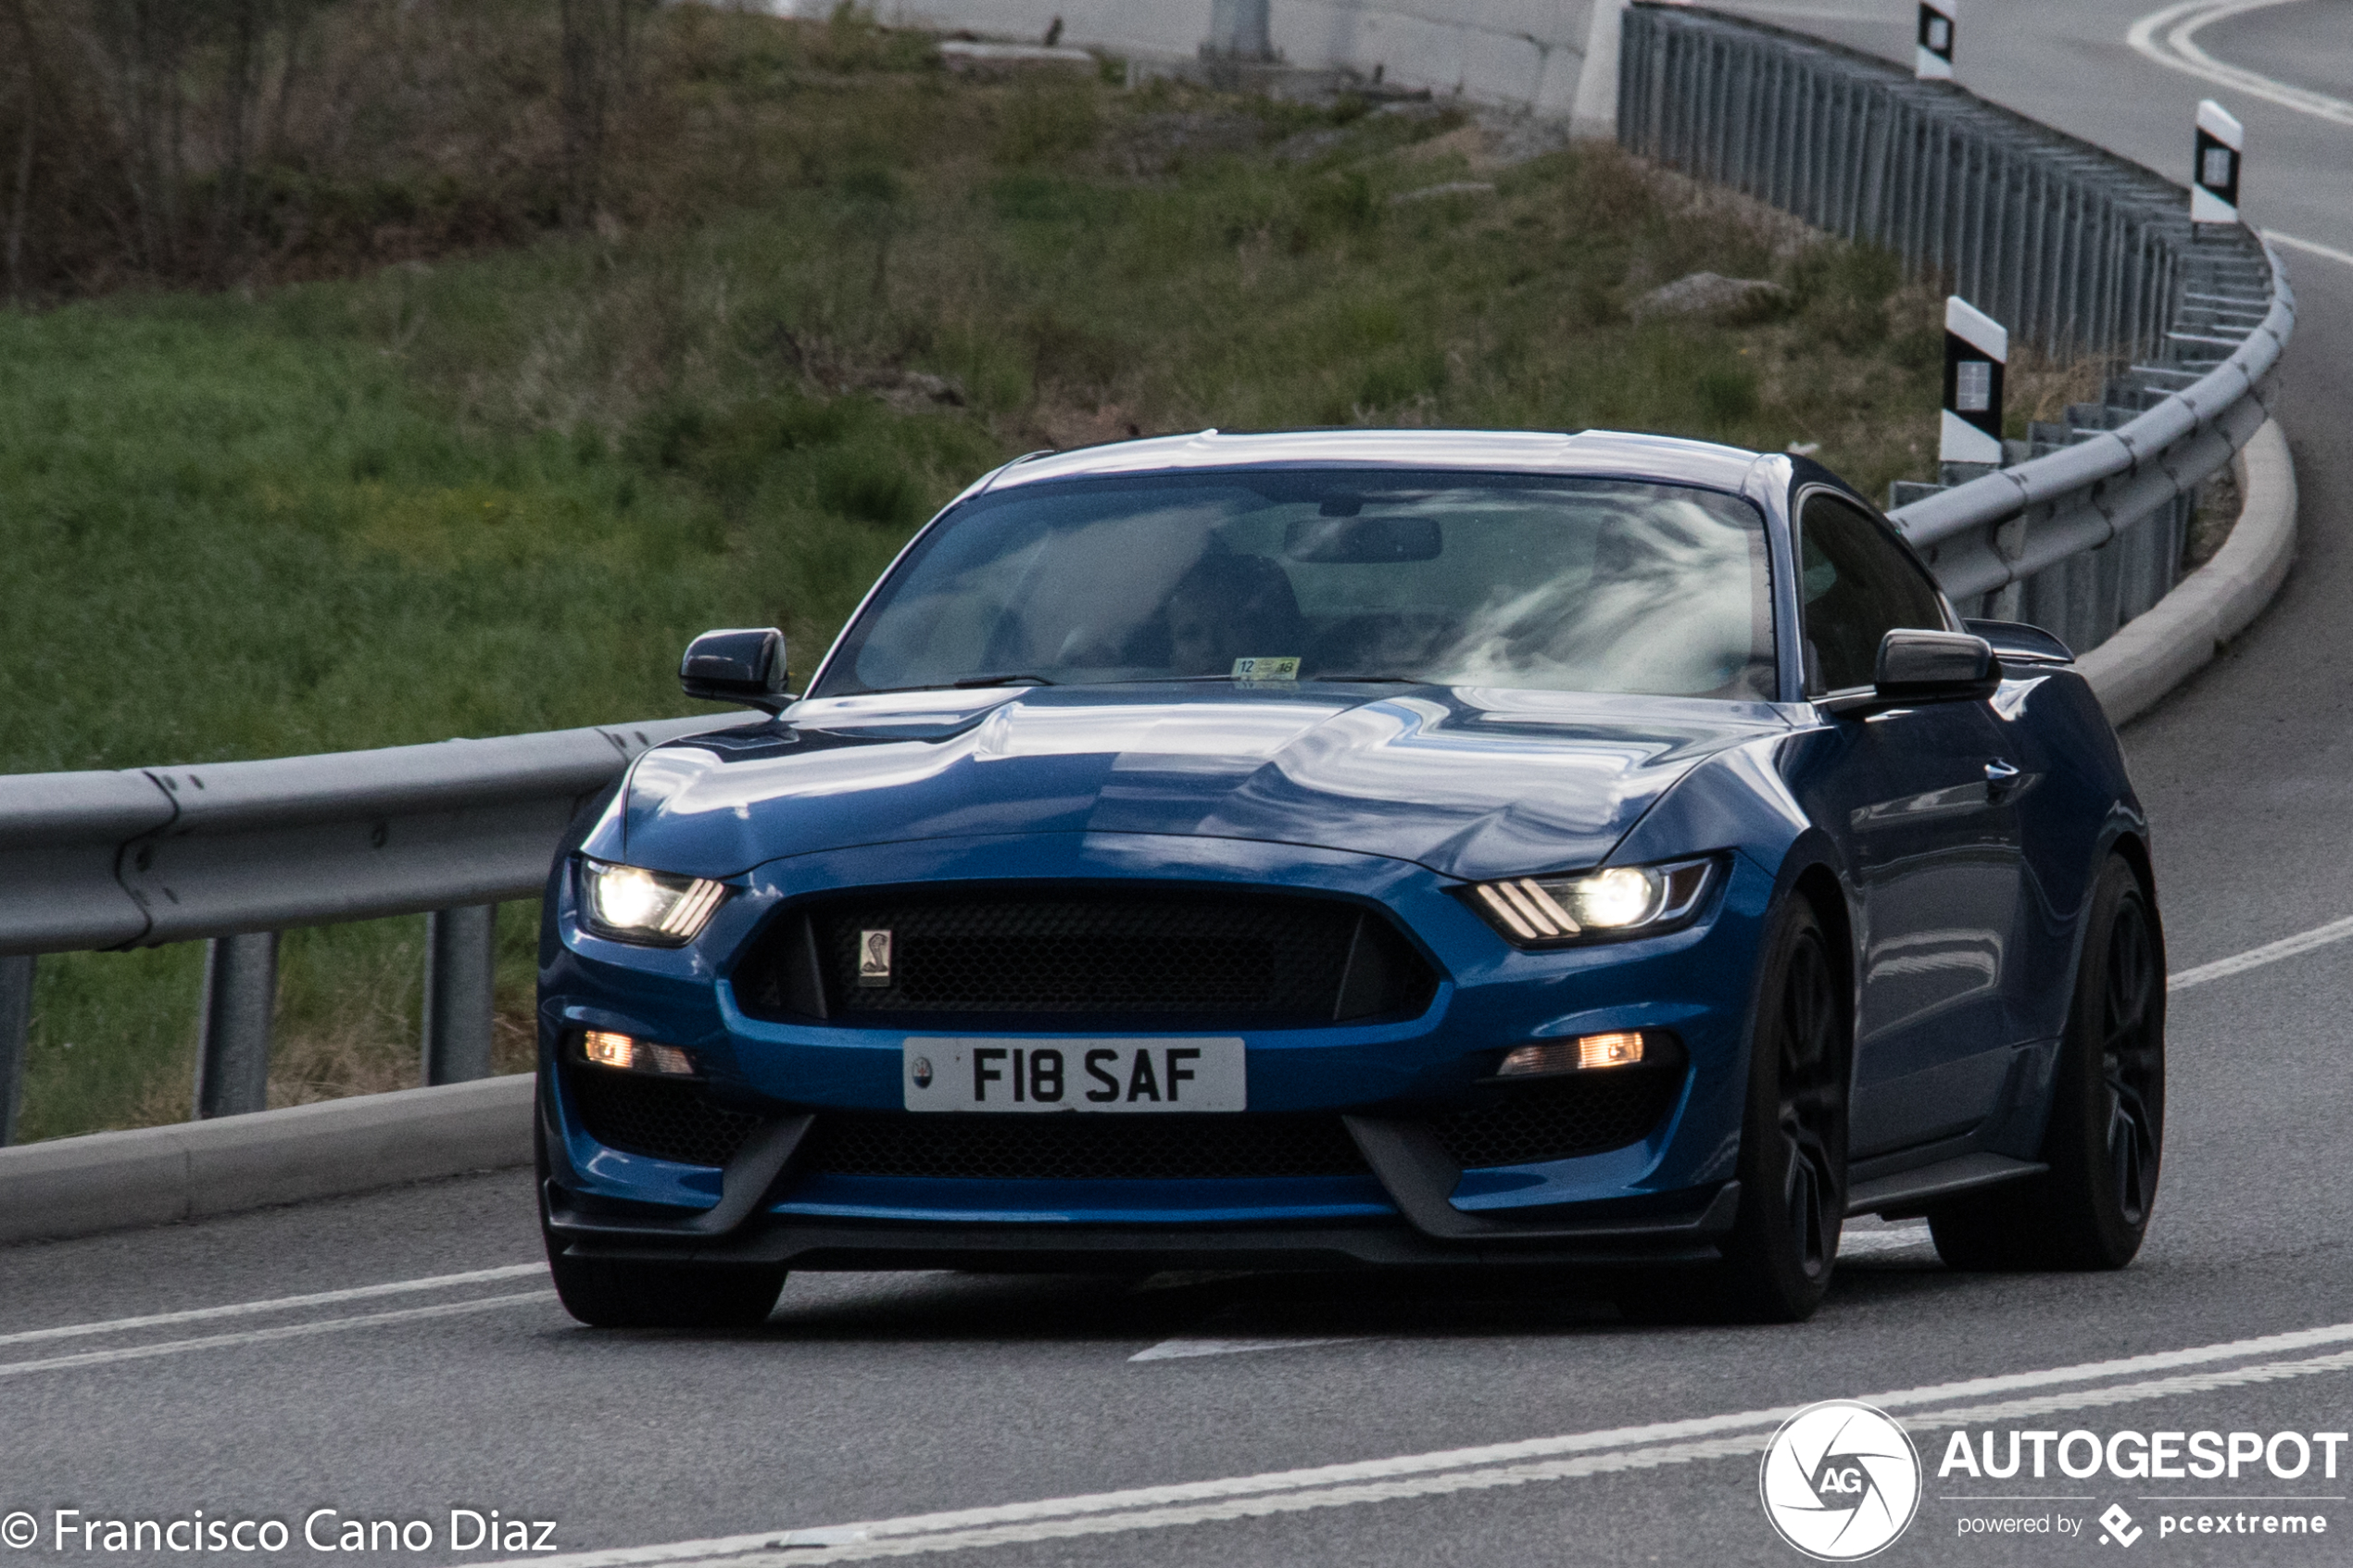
1792 1163
610 1293
1792 1169
616 1293
2106 1132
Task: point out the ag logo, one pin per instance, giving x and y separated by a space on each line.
1840 1480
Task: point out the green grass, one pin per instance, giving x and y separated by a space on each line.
498 492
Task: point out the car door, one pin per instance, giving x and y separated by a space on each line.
1920 794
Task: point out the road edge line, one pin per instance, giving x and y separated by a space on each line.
2166 643
191 1170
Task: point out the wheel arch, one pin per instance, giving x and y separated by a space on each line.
1811 870
2134 847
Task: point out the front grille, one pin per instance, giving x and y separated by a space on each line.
1072 1147
1161 959
647 1115
1584 1113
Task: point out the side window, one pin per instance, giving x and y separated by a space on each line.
1856 585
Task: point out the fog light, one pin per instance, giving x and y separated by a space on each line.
608 1049
1608 1050
1622 1049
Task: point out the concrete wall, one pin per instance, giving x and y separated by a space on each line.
1522 54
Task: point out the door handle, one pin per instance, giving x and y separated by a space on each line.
2000 779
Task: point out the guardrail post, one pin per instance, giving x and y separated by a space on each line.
462 973
232 1051
16 1021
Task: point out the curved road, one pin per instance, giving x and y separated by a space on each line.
394 1391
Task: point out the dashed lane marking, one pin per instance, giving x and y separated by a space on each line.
275 1304
1181 1348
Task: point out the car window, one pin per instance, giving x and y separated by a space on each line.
1857 585
1459 579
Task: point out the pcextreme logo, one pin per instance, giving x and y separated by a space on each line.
1840 1481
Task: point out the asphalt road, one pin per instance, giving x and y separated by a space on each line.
875 1397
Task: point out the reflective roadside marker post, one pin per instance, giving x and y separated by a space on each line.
1977 348
1933 62
2214 176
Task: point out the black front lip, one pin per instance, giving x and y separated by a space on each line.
1406 1157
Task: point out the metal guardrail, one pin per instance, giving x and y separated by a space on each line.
2073 248
235 852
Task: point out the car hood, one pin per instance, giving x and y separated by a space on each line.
1469 781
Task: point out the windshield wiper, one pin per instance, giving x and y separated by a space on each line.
1375 680
1016 678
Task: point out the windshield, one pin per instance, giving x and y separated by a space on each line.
1450 578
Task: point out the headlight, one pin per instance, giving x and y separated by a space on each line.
632 904
1598 906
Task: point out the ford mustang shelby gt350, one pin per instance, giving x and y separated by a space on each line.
1362 847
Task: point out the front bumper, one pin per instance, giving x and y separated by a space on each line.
1666 1195
745 1226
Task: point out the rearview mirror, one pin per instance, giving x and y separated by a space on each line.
745 665
1919 666
1344 539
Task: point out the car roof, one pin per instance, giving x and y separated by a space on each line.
1591 453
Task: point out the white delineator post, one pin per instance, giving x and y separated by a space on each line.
1977 348
1933 60
2214 173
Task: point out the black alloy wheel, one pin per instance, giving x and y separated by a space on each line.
1811 1106
2107 1131
1792 1160
2132 1060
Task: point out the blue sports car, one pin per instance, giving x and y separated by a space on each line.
1365 847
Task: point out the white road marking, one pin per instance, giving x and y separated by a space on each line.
1894 1238
264 1335
276 1304
1181 1347
1500 1464
2326 252
2270 952
2179 50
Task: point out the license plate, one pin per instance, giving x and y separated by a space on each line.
1124 1076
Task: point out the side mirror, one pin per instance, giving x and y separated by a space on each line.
745 666
1915 666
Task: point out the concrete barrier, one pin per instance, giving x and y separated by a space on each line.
156 1175
2175 638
